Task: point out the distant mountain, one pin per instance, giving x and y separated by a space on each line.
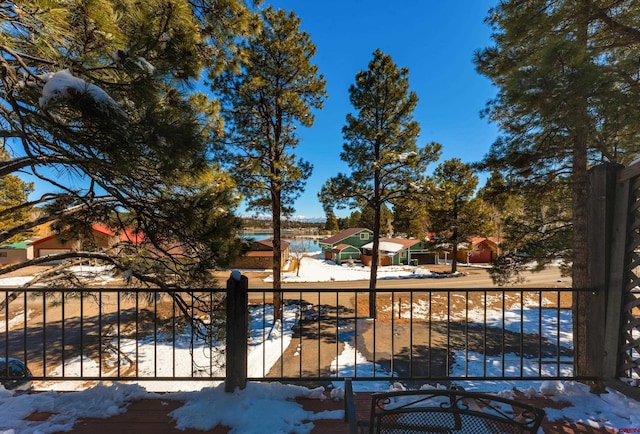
305 219
297 218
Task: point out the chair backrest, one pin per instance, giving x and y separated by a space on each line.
450 411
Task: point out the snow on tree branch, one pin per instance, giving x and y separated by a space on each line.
63 85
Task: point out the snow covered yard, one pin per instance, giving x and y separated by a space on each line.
315 269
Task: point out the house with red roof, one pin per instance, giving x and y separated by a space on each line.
482 250
477 250
101 237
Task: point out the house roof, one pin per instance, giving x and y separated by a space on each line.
132 235
393 244
269 243
343 234
341 247
127 234
404 241
386 246
18 245
491 240
103 229
259 254
42 240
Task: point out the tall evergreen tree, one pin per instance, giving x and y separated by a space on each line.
274 93
567 74
455 214
506 206
380 147
365 218
331 225
355 219
410 217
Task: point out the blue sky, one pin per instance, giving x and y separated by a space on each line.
435 40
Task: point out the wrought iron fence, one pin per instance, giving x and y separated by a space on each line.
114 333
421 335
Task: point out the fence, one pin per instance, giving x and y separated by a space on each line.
420 335
622 339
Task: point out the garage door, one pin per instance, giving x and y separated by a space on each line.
482 256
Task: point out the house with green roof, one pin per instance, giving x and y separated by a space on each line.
357 244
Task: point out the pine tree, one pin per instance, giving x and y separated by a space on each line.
355 219
456 215
331 225
92 89
567 74
273 94
410 217
380 148
506 206
365 218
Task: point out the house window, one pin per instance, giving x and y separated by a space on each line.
364 235
3 254
403 254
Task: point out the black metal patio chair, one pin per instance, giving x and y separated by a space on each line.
450 411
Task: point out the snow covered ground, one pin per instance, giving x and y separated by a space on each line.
315 269
269 407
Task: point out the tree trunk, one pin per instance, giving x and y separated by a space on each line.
375 258
584 364
277 256
375 254
454 238
454 254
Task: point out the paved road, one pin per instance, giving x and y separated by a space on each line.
475 278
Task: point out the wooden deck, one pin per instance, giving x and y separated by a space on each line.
152 416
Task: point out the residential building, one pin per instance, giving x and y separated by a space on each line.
345 245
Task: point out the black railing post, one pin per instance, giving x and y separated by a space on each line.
237 331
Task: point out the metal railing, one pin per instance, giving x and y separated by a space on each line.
423 335
108 333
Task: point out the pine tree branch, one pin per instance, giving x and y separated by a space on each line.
16 164
5 235
632 33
